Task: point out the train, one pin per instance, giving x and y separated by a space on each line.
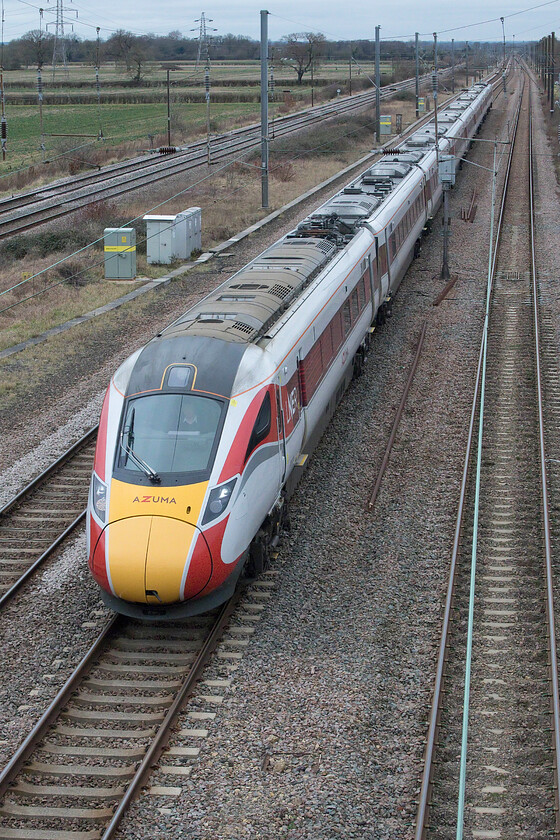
205 430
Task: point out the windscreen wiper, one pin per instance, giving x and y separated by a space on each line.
146 469
128 432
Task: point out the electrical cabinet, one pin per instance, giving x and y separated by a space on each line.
119 245
173 237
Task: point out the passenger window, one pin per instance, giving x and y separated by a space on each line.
355 305
261 428
362 293
347 317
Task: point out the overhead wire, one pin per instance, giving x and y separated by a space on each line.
472 25
429 34
75 253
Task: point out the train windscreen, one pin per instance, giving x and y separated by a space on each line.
169 437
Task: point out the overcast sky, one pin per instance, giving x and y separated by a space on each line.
473 21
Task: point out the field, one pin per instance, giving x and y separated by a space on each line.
183 72
143 125
137 114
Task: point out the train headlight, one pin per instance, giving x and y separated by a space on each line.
218 501
99 498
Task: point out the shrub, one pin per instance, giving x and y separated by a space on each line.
14 249
73 274
50 242
283 171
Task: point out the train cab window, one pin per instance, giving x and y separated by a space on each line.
261 429
169 438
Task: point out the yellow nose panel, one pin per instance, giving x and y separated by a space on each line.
149 553
127 547
170 542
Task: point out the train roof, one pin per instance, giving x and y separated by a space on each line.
215 363
243 308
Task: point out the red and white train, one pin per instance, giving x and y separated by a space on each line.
202 429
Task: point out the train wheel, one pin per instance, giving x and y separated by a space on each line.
259 555
265 542
358 365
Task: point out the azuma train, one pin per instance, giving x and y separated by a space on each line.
204 429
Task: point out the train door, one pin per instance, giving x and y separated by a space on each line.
281 432
292 401
382 263
374 283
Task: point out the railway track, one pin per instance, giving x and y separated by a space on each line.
77 772
25 211
36 521
493 747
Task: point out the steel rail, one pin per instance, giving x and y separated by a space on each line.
162 735
21 497
112 170
422 814
478 479
29 572
108 191
222 143
555 698
70 203
26 748
167 168
66 456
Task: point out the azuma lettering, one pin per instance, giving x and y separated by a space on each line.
155 499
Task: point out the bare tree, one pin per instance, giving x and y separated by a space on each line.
120 46
302 51
35 47
139 56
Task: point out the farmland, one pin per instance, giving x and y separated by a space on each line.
130 118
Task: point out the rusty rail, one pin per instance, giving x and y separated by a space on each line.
445 291
468 215
397 420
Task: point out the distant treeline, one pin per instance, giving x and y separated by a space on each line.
35 48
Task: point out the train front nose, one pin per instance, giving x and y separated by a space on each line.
147 559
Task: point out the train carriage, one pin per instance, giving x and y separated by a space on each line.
203 429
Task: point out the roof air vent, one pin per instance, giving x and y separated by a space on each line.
280 291
244 328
